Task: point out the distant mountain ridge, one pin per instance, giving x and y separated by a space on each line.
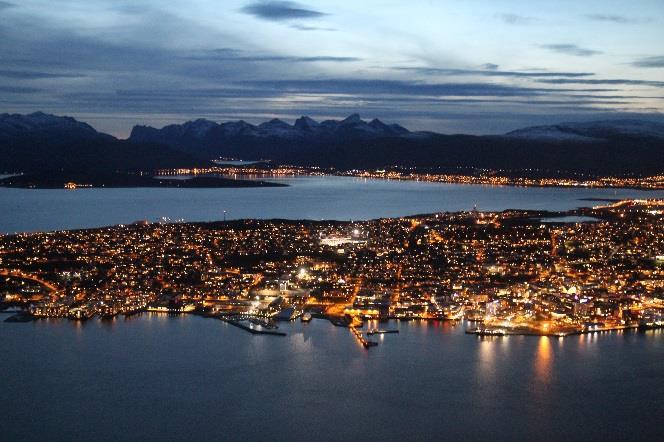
591 131
600 147
39 122
304 128
40 141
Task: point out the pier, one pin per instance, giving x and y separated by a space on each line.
251 330
358 334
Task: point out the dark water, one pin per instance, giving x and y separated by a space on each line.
160 377
340 198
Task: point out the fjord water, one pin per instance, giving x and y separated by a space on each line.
160 377
340 198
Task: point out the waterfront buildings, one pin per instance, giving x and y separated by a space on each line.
515 271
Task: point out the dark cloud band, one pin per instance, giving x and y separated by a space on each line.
571 49
650 62
280 11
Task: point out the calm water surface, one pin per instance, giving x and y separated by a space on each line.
160 377
340 198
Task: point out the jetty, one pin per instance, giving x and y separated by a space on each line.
358 334
252 330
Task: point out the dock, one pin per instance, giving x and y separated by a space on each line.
358 334
559 334
251 330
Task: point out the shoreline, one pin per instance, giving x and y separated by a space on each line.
241 176
24 317
87 180
500 332
530 215
654 182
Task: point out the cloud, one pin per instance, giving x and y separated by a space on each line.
311 28
32 75
323 58
611 18
144 62
492 71
624 82
516 19
280 11
19 90
378 92
228 54
5 5
183 94
650 62
571 49
395 87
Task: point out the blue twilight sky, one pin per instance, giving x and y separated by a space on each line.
451 66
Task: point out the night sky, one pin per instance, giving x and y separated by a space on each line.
450 66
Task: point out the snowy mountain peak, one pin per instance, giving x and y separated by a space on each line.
40 121
352 119
306 124
200 127
592 131
275 123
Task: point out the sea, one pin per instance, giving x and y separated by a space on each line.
161 377
316 198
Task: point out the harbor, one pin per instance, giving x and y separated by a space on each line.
362 340
252 326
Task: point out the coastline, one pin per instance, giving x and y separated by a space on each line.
114 180
655 182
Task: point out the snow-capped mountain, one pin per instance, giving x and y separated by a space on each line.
40 141
593 131
39 122
305 128
46 142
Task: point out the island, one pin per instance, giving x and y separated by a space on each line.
509 272
81 179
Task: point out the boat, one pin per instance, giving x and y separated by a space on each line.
107 312
650 325
288 314
132 311
381 332
108 315
490 332
306 317
80 314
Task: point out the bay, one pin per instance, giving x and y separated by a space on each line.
329 197
160 377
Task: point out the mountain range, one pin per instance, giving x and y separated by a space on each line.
41 141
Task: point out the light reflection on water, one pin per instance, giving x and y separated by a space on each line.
543 360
